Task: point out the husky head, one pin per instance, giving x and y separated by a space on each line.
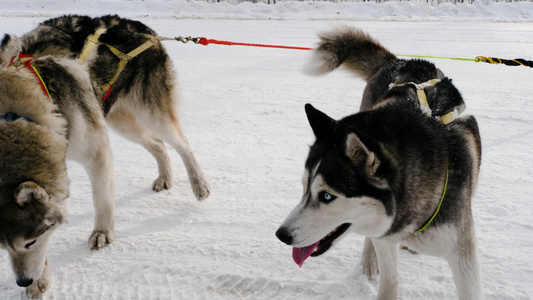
343 188
33 189
27 220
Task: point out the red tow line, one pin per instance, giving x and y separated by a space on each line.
204 41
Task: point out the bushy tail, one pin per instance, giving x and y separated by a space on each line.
350 47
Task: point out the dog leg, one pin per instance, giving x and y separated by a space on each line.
126 124
387 255
466 274
169 130
38 287
369 261
199 184
99 166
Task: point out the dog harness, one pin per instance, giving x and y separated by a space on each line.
422 99
23 61
124 58
18 62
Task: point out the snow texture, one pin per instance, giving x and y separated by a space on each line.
242 109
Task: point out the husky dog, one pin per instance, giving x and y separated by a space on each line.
37 133
141 104
402 171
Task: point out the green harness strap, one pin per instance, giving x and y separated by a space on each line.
419 231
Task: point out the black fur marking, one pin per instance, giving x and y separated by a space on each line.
5 40
443 97
16 221
68 32
64 88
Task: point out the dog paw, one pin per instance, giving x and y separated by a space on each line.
369 260
38 287
162 183
100 239
201 189
370 269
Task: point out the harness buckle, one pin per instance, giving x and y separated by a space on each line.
16 64
185 40
123 56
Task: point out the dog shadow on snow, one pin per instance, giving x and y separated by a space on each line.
139 212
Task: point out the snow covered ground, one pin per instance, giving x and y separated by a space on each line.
242 109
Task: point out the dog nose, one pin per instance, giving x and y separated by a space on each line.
24 282
284 235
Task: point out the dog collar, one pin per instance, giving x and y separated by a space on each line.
10 117
21 61
422 99
419 231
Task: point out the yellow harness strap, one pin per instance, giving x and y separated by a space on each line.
125 58
422 99
92 41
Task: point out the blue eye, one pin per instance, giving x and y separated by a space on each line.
326 197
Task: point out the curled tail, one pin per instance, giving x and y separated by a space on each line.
350 47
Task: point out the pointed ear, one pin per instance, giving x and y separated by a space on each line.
5 40
321 123
9 46
360 155
28 191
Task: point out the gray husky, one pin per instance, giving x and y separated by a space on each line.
41 124
402 171
140 102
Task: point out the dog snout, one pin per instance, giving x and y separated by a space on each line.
284 235
24 282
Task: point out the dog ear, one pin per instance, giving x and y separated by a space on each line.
321 123
9 46
5 40
359 154
28 191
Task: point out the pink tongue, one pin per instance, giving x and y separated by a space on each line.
301 254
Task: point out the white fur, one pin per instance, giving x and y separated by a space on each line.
320 63
310 221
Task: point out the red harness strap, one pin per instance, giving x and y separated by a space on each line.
23 60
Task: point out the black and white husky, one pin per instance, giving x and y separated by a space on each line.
142 102
402 171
